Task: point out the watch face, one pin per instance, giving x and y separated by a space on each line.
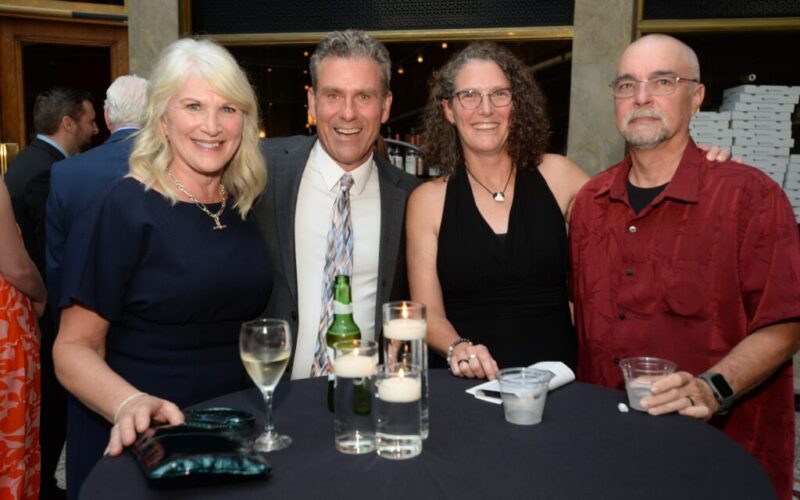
719 382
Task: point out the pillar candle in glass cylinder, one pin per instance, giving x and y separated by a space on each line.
354 365
396 401
404 343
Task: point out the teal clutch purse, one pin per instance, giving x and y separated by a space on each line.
210 447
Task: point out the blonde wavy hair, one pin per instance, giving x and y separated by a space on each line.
245 176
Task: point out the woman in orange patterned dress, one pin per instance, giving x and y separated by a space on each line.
22 298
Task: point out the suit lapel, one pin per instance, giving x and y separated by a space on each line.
392 216
287 187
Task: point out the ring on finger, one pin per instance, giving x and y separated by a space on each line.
691 401
462 360
473 356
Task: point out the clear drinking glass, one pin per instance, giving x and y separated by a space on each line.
265 346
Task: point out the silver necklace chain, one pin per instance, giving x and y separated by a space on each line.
217 224
499 196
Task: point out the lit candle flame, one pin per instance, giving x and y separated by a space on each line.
401 373
404 311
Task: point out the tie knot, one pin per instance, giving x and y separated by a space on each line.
346 182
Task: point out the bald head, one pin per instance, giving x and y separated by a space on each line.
658 43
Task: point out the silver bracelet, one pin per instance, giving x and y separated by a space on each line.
126 401
453 344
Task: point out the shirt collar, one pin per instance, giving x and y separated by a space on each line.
53 143
684 185
125 127
331 172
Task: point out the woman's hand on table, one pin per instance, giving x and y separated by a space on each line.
681 392
472 361
136 416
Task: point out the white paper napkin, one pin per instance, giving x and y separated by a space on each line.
490 391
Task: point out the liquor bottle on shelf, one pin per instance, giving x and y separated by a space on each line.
411 155
411 161
396 154
343 326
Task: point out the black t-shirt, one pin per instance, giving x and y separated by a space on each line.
641 197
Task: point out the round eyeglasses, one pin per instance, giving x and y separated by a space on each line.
623 88
471 99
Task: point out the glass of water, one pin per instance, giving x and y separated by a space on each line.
265 346
396 403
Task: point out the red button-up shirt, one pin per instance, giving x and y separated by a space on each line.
710 260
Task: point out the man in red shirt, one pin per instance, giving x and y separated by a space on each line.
697 263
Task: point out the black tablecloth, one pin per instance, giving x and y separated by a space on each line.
584 448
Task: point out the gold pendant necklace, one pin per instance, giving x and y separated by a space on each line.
215 216
499 196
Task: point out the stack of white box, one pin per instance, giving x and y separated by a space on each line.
761 123
792 184
712 129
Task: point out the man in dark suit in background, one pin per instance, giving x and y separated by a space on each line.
64 121
76 181
349 99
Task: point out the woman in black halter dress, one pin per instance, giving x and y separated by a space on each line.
487 245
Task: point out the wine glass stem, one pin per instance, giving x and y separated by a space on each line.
269 427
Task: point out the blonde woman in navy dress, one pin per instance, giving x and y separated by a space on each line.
167 264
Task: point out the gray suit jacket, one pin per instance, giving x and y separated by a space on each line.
275 212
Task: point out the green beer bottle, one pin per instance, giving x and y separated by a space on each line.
343 326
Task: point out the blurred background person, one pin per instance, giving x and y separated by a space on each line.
168 264
64 121
22 298
487 245
76 181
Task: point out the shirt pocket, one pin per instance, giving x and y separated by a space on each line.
686 288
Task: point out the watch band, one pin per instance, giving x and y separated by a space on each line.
722 390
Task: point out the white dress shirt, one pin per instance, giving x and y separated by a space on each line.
319 188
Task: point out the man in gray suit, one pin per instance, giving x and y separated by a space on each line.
349 100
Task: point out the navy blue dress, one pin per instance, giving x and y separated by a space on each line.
175 292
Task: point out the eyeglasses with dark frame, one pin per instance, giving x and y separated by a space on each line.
471 99
623 88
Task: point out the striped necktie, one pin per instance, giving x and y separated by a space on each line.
338 260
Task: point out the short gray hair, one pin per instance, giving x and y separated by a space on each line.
126 101
352 44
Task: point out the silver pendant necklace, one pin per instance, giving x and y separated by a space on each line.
499 196
214 215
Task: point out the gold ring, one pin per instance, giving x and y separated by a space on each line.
463 360
691 401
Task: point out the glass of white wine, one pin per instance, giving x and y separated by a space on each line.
265 346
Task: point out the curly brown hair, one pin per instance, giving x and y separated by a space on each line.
529 124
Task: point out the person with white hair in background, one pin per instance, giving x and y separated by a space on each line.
76 181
